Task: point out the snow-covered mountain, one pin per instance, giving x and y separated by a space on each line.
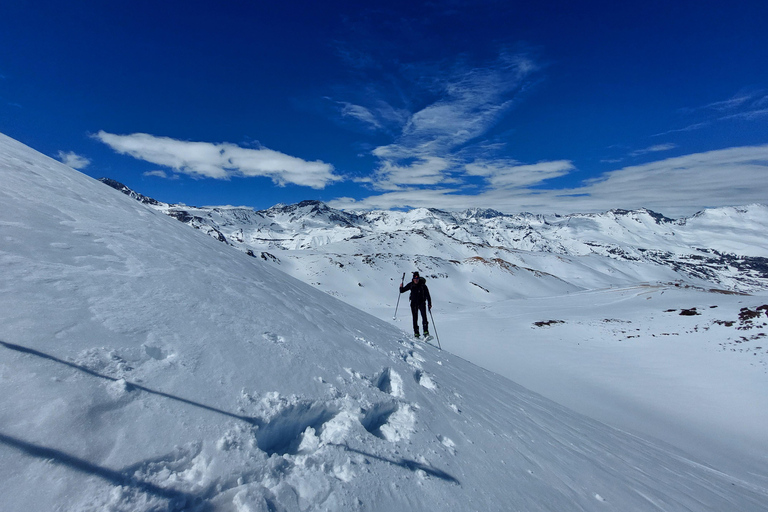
560 304
724 247
145 366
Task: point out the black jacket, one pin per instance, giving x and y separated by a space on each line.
419 292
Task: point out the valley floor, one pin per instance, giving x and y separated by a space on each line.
627 357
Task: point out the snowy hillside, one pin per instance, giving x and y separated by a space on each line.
584 309
145 366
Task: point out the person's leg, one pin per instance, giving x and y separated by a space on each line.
415 314
425 322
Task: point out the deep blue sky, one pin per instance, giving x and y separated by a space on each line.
539 106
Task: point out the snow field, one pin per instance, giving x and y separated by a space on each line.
638 364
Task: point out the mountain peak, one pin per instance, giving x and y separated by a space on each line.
314 211
482 213
312 202
657 217
129 192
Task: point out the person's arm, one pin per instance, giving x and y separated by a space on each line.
429 298
405 288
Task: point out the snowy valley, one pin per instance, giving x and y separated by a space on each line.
653 325
145 365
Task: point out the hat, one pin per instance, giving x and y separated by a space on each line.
415 274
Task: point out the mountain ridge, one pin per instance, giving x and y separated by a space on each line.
722 247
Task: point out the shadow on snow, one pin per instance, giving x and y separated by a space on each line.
129 385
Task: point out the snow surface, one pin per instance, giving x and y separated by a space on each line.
697 382
146 366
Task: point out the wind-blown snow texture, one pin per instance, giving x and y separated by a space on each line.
145 366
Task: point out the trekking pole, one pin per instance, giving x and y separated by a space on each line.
435 328
402 281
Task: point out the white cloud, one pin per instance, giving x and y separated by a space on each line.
73 160
510 175
674 186
423 171
687 183
221 161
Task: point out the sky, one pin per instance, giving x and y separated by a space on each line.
557 107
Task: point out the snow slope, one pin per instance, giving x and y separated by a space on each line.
146 366
608 287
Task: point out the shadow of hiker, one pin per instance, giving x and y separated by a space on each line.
129 385
407 464
178 500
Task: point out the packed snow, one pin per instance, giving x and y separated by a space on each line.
147 366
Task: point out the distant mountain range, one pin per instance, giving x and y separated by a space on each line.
726 248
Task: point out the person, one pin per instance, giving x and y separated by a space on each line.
420 300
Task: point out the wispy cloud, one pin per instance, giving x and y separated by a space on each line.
682 184
653 149
73 160
749 115
441 149
689 128
159 173
728 105
360 113
221 160
428 170
673 186
459 104
747 105
503 175
378 116
471 101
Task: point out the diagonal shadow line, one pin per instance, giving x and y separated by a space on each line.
407 464
83 466
130 385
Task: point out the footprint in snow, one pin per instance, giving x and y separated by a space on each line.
363 340
390 382
412 358
389 421
424 380
448 443
273 338
295 428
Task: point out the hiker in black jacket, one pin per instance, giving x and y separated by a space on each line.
420 300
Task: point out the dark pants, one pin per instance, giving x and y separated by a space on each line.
415 308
